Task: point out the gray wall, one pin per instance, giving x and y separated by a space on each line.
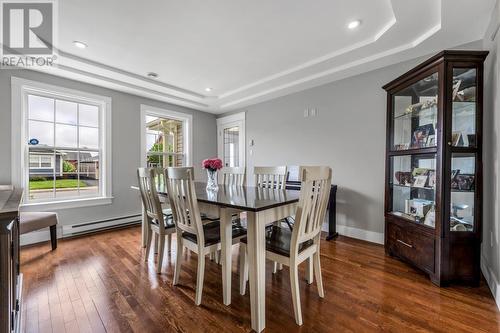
491 151
125 142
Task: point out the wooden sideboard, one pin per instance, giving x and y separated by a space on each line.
10 276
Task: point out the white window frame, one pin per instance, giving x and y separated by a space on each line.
187 120
21 88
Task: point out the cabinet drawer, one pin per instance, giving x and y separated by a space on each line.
410 244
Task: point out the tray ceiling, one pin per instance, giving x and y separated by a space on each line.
250 51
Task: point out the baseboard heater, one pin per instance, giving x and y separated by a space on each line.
112 223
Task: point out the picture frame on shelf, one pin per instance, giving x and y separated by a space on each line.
472 140
457 139
430 218
463 182
420 135
431 141
419 172
420 181
403 178
432 178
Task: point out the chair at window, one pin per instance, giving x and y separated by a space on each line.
200 238
159 223
233 176
294 247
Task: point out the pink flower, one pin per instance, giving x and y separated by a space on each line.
212 164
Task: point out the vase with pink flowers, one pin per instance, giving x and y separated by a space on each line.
212 165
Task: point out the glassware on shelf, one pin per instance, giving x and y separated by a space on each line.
462 191
414 114
413 187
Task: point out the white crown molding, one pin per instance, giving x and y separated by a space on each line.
343 67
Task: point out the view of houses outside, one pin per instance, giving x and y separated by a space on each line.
63 148
164 142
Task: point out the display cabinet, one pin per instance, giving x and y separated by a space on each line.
433 166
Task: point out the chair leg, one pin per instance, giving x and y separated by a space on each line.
309 270
53 236
216 255
199 277
275 267
280 266
161 250
156 243
178 261
243 269
169 242
317 272
148 244
294 284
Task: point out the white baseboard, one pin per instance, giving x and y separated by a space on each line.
492 280
366 235
78 229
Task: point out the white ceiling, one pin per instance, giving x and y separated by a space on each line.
250 51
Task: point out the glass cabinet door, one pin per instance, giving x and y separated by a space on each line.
464 107
413 188
462 203
463 146
414 115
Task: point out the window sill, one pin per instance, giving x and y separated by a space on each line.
71 203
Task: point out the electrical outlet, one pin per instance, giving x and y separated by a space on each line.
306 113
313 112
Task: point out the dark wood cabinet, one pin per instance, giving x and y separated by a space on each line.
433 166
10 277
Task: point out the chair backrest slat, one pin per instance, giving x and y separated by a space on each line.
149 196
314 194
233 176
183 201
270 177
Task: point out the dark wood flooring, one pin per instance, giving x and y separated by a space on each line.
101 283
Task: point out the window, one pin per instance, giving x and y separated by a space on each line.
166 140
62 152
41 161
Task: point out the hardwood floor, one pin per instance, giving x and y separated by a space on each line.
101 283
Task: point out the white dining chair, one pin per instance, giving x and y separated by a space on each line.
270 177
192 234
159 219
291 248
233 176
273 178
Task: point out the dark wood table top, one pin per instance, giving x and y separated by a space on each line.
247 198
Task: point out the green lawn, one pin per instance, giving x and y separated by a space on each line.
60 183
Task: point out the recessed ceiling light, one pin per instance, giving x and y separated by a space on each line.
80 45
208 89
152 75
354 24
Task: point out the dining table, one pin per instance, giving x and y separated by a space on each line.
263 206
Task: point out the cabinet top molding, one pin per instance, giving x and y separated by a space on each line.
446 55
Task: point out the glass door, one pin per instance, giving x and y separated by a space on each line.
463 145
231 140
413 179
